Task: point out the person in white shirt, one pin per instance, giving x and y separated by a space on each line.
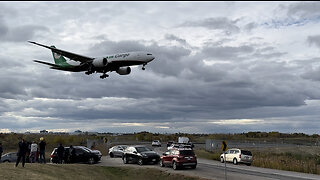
33 152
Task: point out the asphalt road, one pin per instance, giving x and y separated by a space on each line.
215 170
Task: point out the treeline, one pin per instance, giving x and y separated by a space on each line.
11 140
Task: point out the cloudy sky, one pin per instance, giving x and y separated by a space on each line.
220 67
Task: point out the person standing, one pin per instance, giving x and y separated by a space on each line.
23 148
72 154
42 145
1 151
34 149
60 152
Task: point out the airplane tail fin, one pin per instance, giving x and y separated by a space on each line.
58 58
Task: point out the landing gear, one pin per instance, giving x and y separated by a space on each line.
104 76
88 72
143 67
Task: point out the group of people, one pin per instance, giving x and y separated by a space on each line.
35 151
66 155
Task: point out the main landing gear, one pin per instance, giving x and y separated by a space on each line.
104 76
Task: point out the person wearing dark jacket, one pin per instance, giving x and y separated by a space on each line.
60 152
23 148
42 151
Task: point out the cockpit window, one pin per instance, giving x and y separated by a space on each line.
149 54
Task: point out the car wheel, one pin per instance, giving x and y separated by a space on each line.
111 155
140 161
174 165
235 161
221 160
125 160
249 164
91 160
6 161
161 163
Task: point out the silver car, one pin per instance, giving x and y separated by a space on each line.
237 156
9 157
117 151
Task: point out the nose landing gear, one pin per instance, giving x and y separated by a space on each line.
143 67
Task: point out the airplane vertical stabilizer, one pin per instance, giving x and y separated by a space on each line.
58 58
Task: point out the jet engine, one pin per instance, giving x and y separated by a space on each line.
124 70
100 62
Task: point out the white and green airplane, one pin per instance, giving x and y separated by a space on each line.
120 62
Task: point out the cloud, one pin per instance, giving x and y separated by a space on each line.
304 9
218 23
314 40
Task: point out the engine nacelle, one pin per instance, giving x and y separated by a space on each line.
100 62
124 70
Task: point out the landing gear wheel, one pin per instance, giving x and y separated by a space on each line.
104 76
143 67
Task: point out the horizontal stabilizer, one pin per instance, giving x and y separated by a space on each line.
46 63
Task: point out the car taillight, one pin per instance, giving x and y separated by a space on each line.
53 156
240 156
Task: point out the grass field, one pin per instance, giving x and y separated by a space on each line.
84 171
304 159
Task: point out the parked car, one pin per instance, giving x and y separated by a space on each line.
82 155
140 155
169 143
156 143
117 151
237 156
9 157
177 158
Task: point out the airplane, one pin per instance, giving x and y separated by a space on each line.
119 62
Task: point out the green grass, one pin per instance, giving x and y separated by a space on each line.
84 172
299 159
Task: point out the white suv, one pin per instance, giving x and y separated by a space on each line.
238 156
156 143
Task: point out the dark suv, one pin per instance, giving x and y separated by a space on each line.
82 154
140 155
180 157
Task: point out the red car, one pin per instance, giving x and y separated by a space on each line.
178 158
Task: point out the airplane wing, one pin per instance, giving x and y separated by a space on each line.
70 55
46 63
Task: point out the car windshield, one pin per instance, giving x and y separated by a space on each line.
142 149
246 153
123 147
187 153
86 149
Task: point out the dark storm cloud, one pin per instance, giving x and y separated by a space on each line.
220 23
